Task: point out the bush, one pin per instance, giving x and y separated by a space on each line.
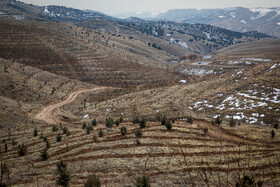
94 122
232 123
272 134
143 124
109 122
44 154
89 129
100 133
35 133
143 181
276 125
138 141
163 120
135 120
123 130
138 133
58 138
117 122
121 119
84 126
246 181
48 145
14 142
205 130
54 129
190 119
93 181
64 176
168 125
219 120
22 150
65 130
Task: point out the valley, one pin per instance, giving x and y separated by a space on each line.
127 98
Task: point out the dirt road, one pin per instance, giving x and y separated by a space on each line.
46 113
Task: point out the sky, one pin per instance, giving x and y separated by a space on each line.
113 7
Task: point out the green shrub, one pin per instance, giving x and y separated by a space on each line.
163 120
205 130
143 181
138 141
272 134
143 123
232 123
123 130
190 119
22 150
117 122
64 176
100 133
58 138
84 126
121 119
246 181
109 122
54 128
93 181
94 122
138 133
168 125
35 133
44 154
136 120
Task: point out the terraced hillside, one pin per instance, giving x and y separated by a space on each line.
83 54
184 156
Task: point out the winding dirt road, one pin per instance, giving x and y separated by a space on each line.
46 114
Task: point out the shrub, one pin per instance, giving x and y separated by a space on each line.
246 181
117 122
6 147
35 133
100 133
276 125
89 129
272 134
142 123
64 176
92 181
54 129
65 130
94 122
143 181
123 130
219 120
138 133
163 120
58 138
205 130
135 120
22 150
138 141
232 123
48 145
190 119
44 154
109 122
14 142
121 119
84 126
168 125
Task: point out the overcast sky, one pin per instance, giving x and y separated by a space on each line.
121 6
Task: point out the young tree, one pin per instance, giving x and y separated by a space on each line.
143 123
143 181
35 133
22 150
64 176
190 119
272 134
138 133
163 120
54 128
93 181
94 122
123 130
58 138
205 130
168 125
44 154
100 133
109 122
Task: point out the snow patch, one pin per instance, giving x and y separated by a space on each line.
86 116
243 21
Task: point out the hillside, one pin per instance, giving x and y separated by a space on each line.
132 101
265 20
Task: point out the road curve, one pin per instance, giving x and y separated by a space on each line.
45 113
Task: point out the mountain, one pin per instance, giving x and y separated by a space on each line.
265 20
142 15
